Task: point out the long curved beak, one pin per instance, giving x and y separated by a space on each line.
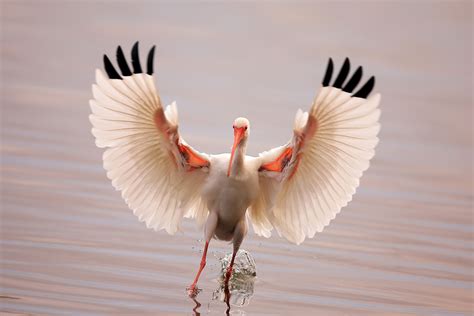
238 135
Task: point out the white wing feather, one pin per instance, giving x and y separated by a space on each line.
139 159
308 194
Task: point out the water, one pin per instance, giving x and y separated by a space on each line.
403 246
244 265
242 281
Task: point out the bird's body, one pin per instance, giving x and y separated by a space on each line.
230 197
297 188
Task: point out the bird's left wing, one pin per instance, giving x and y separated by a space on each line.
157 172
306 182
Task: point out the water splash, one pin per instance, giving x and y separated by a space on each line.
241 283
244 265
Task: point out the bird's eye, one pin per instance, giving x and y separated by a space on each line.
246 127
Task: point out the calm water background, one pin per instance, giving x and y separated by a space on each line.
404 246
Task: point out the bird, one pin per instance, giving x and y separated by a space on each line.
296 188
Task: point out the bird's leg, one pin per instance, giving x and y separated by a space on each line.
239 234
231 265
201 266
210 227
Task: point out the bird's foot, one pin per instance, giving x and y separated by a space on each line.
193 290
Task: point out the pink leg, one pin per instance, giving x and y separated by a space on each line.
239 233
226 282
229 269
192 287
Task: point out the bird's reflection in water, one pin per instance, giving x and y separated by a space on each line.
195 309
237 293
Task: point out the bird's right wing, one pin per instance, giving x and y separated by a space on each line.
157 172
306 182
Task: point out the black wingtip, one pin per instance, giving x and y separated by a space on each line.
109 68
137 69
354 81
366 89
342 74
122 62
328 74
149 63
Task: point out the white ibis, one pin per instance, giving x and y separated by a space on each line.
297 188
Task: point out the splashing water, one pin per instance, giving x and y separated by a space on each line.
244 265
241 283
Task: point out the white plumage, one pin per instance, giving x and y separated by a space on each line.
331 164
297 188
138 158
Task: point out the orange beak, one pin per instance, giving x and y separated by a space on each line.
238 135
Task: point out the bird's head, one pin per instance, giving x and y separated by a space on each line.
241 125
241 128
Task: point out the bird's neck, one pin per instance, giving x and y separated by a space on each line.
239 158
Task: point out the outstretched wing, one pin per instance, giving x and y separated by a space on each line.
306 182
158 174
